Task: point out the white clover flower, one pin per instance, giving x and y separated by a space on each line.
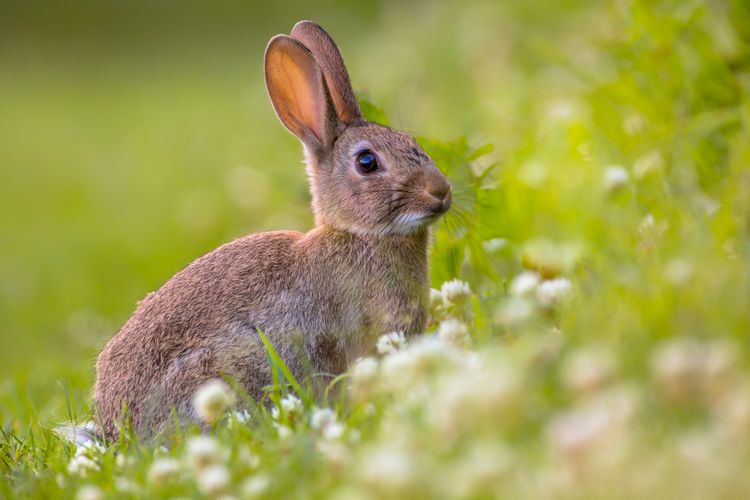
676 366
203 451
238 418
89 446
575 431
291 405
391 342
334 431
406 369
516 310
256 486
387 467
552 292
212 399
125 485
701 449
455 292
588 369
324 419
213 480
732 411
364 371
454 331
647 224
615 178
321 417
525 283
436 299
481 470
465 398
595 432
399 370
82 465
683 366
718 364
122 460
472 363
333 451
431 353
247 456
89 452
242 417
89 492
285 432
163 471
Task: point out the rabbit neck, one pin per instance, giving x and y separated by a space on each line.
387 264
410 247
383 279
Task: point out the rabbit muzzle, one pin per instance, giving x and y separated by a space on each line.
439 194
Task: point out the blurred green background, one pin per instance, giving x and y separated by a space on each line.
136 136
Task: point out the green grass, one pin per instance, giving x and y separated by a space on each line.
121 165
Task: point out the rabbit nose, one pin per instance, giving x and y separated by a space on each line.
443 193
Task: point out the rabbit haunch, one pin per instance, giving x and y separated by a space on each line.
323 297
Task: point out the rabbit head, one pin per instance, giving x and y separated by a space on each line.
365 178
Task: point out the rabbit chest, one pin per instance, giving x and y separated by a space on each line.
367 287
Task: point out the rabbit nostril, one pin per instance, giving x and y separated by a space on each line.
443 194
438 192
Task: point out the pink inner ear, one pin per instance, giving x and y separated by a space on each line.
298 82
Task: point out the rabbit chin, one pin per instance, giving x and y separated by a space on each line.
410 222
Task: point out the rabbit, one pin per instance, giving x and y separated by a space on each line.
322 297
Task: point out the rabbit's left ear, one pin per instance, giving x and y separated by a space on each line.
331 63
298 92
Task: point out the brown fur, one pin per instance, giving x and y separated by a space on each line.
322 297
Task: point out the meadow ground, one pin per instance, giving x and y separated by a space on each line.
594 345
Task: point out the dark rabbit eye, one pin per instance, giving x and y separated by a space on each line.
367 163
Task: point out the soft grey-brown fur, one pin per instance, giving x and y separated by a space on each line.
322 297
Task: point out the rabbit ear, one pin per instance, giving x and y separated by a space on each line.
298 92
329 58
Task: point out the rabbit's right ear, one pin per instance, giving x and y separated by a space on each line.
298 92
331 63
